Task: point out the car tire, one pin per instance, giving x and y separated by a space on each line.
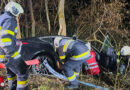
40 69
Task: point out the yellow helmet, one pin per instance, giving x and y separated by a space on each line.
125 51
14 8
57 41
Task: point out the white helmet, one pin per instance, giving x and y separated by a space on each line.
88 44
14 8
125 51
57 41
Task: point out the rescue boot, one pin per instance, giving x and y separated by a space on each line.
23 88
13 85
71 86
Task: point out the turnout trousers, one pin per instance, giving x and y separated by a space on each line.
71 69
17 74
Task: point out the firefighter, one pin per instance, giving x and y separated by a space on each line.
125 52
72 54
10 47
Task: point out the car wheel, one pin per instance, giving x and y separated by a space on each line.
40 69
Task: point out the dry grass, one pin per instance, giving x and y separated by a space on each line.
50 83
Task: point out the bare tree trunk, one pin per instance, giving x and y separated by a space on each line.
27 31
62 24
32 18
18 26
1 4
47 16
11 0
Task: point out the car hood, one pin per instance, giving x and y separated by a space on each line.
33 46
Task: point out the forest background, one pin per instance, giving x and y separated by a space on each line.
89 20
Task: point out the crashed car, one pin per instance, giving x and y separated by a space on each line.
42 49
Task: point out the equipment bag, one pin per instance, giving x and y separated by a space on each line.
91 66
2 65
1 82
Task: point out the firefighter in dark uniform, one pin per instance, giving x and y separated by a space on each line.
72 54
125 54
10 47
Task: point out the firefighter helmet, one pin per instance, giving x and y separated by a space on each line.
57 41
125 51
14 8
88 44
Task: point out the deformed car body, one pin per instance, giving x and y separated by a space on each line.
42 48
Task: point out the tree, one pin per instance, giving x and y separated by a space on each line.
47 16
32 17
18 28
62 24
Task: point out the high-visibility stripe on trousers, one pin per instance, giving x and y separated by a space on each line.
22 84
71 69
17 68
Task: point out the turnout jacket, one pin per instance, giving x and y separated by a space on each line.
73 49
8 31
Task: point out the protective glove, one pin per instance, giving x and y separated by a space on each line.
18 43
3 60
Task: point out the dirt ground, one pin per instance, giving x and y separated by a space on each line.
47 83
50 83
40 82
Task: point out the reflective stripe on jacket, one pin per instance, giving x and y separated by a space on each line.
63 48
8 31
73 48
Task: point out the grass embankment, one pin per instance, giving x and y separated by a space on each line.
49 83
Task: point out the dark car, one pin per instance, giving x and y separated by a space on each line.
41 48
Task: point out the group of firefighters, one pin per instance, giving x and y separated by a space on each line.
72 53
